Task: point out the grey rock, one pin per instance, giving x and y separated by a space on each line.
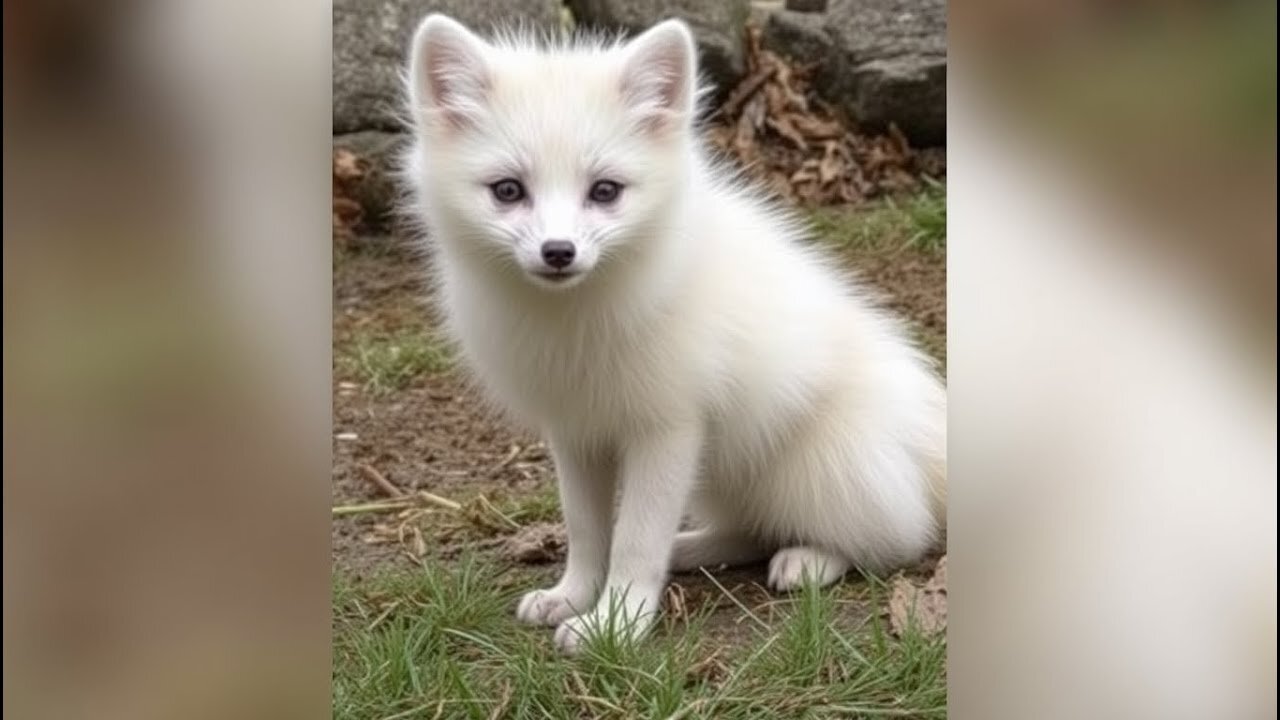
881 29
801 37
718 26
910 92
893 58
378 191
880 61
370 41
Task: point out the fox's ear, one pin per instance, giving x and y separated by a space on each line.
449 75
659 74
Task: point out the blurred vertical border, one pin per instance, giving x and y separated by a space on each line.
1111 299
166 359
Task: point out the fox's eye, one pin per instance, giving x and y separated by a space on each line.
507 191
605 192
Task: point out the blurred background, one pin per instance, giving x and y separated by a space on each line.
170 316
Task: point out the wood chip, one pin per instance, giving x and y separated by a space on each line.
368 472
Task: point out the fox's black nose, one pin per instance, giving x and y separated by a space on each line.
558 253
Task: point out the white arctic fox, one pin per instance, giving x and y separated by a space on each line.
671 335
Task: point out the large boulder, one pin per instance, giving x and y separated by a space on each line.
718 27
881 61
370 40
802 37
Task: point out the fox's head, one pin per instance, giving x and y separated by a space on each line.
550 161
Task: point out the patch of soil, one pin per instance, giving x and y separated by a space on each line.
914 286
434 435
430 437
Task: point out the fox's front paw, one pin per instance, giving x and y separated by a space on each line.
552 606
624 622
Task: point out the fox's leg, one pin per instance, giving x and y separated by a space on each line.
587 481
658 470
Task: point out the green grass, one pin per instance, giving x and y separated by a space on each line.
532 507
916 222
442 643
384 363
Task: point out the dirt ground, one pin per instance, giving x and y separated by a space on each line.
434 436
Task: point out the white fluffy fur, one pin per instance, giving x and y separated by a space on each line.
704 359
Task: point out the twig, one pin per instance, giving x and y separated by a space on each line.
502 703
684 711
383 615
735 600
590 699
407 713
385 506
386 486
401 503
888 712
745 90
512 455
489 506
434 499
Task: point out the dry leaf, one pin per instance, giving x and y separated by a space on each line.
832 164
784 137
938 583
709 669
754 112
924 606
745 91
535 544
775 100
674 602
779 185
816 128
788 83
782 125
899 140
347 165
753 35
418 547
346 211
